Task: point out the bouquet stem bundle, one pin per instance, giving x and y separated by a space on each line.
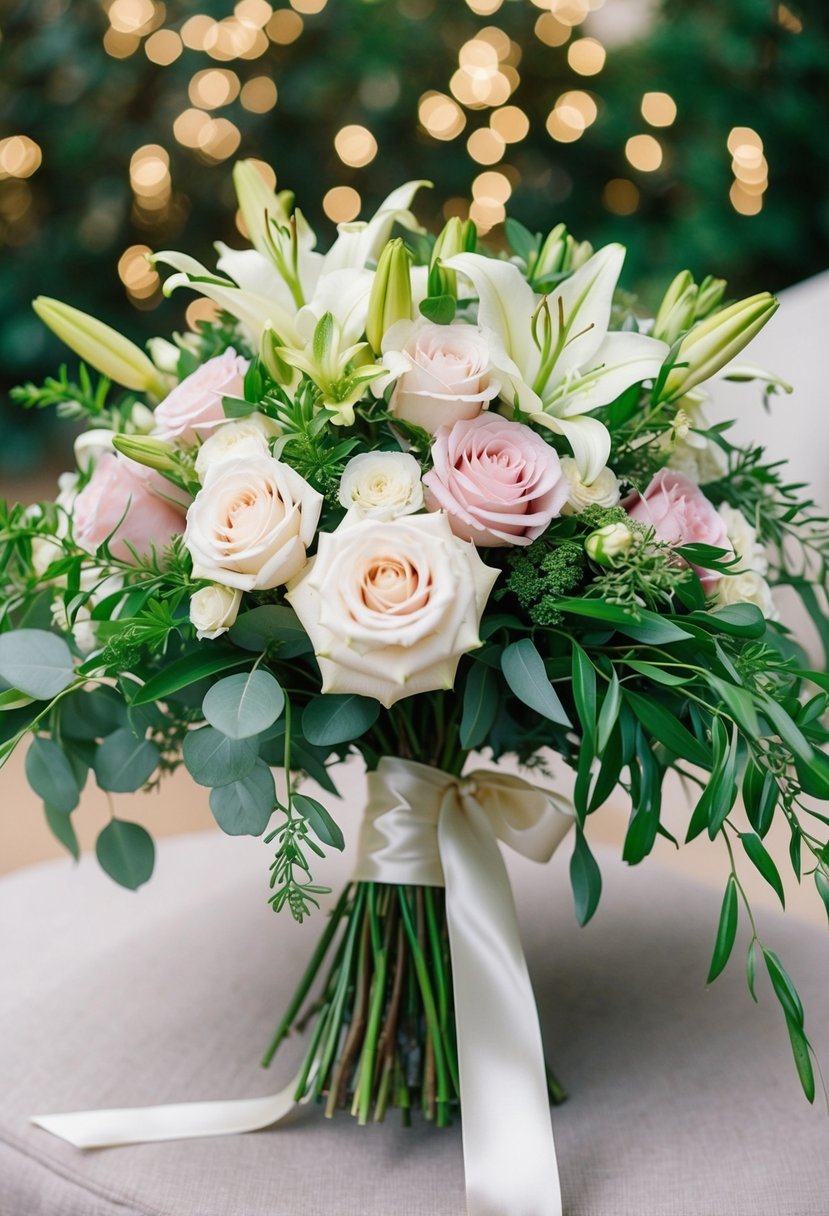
382 1029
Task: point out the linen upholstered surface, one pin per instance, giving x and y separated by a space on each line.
683 1101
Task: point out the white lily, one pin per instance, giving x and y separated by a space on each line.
361 241
557 356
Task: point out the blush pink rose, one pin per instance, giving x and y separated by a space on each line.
680 514
498 481
117 491
444 373
194 407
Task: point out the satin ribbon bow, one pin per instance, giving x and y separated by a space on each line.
425 827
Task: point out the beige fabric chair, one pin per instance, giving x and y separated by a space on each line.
683 1101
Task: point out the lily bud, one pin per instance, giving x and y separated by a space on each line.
154 453
258 204
606 544
714 342
391 293
711 292
580 252
451 240
677 310
102 347
274 363
552 254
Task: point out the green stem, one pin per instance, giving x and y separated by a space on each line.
429 1008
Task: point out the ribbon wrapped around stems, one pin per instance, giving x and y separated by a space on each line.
425 827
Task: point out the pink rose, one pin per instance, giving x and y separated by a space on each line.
680 514
195 406
117 502
444 373
499 481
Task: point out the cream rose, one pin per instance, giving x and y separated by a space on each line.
235 440
602 491
744 540
251 523
382 485
214 609
443 372
391 606
749 587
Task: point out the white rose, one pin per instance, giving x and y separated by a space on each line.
382 485
743 537
240 438
747 588
90 447
391 606
214 609
602 491
250 524
443 372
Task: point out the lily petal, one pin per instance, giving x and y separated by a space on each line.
360 242
622 359
506 304
589 439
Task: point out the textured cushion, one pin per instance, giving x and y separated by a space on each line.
683 1101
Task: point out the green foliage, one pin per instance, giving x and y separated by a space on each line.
35 662
524 672
124 762
244 807
212 758
126 852
335 718
245 704
542 574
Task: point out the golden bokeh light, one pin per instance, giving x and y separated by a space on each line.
484 8
232 39
487 214
188 126
511 123
789 20
341 204
621 196
739 136
751 171
120 46
256 13
137 274
644 152
149 168
570 117
485 146
259 95
586 56
659 109
219 138
491 187
265 171
551 31
308 7
195 30
456 207
355 146
134 16
20 156
213 87
743 202
200 310
284 27
440 115
570 12
163 47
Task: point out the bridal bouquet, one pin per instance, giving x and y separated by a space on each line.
412 499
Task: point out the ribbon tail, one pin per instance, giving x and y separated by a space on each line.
183 1121
509 1153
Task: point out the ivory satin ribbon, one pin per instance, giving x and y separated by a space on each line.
425 827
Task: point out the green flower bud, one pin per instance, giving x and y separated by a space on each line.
714 342
100 346
709 296
451 240
153 453
677 310
607 543
391 293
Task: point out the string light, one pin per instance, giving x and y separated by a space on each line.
511 123
256 13
259 95
644 152
572 114
138 276
484 8
20 156
659 109
163 47
134 16
750 169
195 31
485 146
491 187
551 31
284 27
586 56
120 46
355 146
309 7
440 115
570 12
341 204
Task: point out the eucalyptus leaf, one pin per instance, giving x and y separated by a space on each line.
320 820
126 852
36 662
124 763
244 807
214 759
480 705
269 625
523 669
51 776
334 718
245 704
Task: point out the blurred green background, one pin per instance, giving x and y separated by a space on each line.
694 131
